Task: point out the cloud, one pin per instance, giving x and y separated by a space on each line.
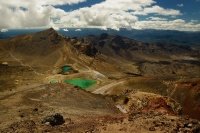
180 5
40 13
31 13
4 30
27 3
156 19
194 21
177 24
108 14
65 30
114 14
78 30
158 11
35 16
91 17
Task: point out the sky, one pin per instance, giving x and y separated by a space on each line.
182 15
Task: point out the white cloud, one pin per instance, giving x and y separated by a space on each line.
35 16
65 30
31 13
4 30
194 21
180 5
117 5
158 11
78 30
178 24
27 3
157 19
108 14
113 14
91 17
37 13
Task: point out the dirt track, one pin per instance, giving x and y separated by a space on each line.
103 89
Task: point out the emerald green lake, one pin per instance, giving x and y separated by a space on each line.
66 68
82 83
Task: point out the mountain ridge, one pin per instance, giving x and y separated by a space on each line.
138 84
50 45
177 37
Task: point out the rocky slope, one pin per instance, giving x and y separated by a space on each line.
141 87
150 58
105 53
86 112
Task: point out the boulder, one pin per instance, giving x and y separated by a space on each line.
53 120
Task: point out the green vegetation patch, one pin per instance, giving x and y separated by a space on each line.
82 83
66 68
53 81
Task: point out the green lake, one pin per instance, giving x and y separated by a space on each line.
66 68
82 83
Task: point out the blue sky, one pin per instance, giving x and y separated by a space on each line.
182 15
190 8
72 7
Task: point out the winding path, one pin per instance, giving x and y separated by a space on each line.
21 62
104 88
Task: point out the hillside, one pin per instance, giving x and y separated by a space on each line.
137 85
149 58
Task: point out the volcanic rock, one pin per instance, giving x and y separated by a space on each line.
55 119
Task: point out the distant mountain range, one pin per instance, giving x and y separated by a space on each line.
191 39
